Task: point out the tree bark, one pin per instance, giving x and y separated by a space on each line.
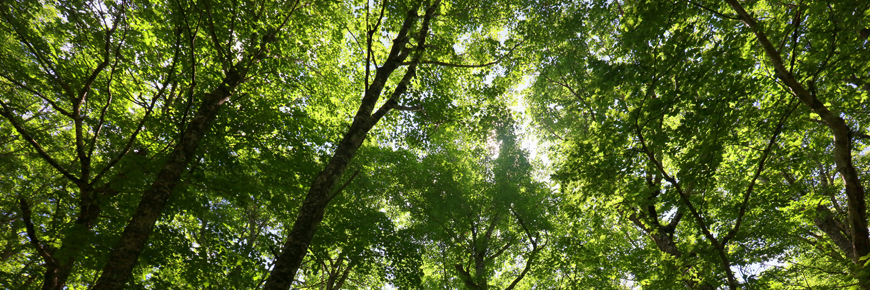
831 227
466 277
842 145
125 255
311 212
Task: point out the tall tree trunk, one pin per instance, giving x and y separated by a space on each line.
842 146
57 271
125 254
311 212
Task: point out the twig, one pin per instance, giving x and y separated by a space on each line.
346 183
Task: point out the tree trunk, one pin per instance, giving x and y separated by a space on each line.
842 146
311 212
124 256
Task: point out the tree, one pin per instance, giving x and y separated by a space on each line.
677 73
815 77
65 75
312 210
350 144
484 218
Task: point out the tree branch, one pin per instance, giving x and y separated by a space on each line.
532 254
340 188
839 129
764 155
717 13
44 251
53 104
684 197
465 277
441 63
7 112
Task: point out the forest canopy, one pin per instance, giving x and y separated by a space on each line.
434 144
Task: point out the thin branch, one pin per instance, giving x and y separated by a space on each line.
500 251
102 113
797 24
270 35
684 197
53 104
392 102
102 65
370 34
130 142
169 78
214 38
40 58
7 112
564 84
717 13
758 171
532 254
493 223
340 188
42 250
841 132
441 63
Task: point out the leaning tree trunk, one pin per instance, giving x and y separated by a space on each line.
321 190
842 147
124 256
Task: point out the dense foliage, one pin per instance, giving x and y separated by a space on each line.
437 144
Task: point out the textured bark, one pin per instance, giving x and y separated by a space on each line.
480 269
57 271
125 254
466 277
832 228
842 144
311 212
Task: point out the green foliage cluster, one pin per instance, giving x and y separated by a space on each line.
437 144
